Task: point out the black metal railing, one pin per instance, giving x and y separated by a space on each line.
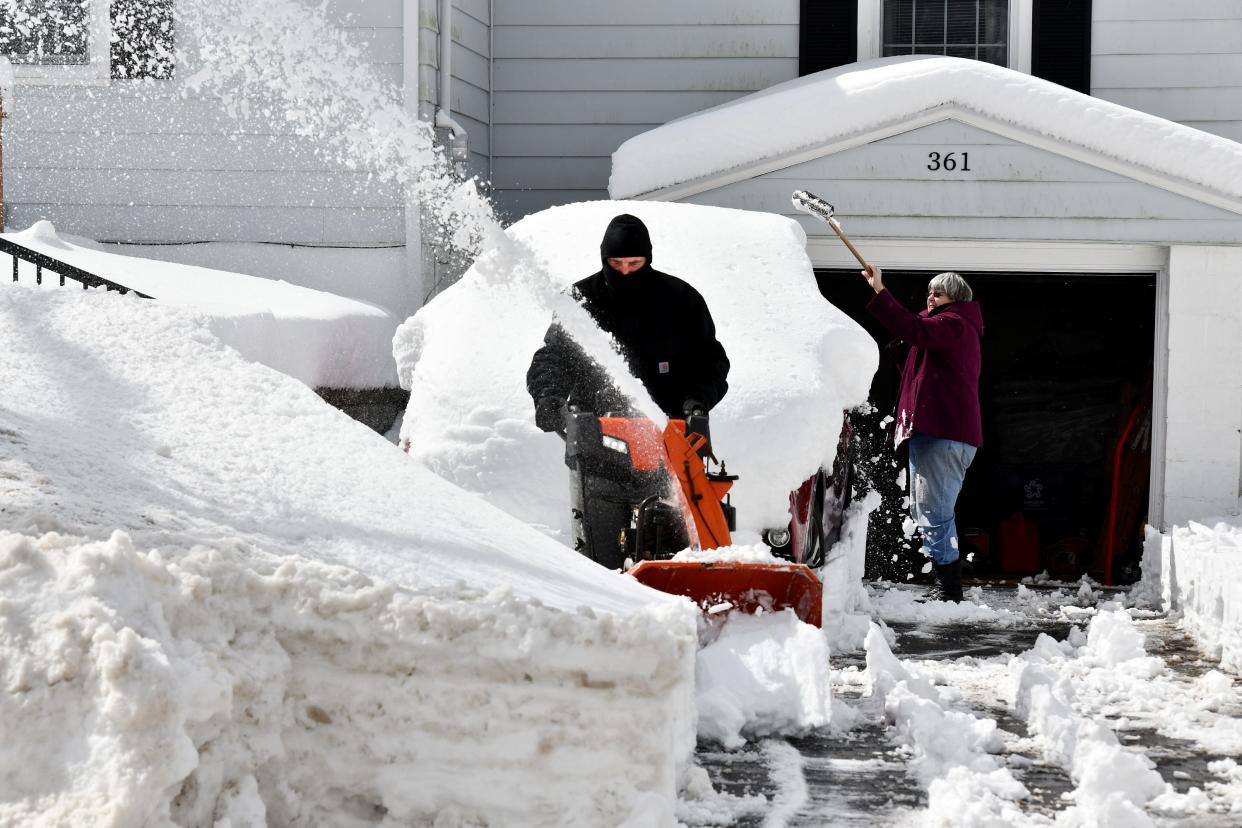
41 262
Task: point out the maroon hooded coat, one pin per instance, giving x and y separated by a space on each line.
939 393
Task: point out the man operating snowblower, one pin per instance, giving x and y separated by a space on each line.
666 334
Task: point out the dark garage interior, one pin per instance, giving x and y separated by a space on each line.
1061 482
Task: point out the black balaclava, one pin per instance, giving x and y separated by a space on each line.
626 237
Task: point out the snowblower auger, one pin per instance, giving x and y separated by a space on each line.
722 586
621 498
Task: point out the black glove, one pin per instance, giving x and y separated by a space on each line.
696 423
550 414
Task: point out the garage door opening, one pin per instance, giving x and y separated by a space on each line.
1061 482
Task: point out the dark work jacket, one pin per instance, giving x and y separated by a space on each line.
665 332
939 393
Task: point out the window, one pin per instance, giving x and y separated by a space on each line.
976 29
997 31
1047 38
142 39
52 32
87 41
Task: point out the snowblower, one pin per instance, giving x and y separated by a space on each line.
630 515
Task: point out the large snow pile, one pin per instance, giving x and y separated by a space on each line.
828 106
1196 571
312 335
221 599
797 362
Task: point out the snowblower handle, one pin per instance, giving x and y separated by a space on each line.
812 204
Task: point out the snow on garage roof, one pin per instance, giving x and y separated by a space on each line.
830 107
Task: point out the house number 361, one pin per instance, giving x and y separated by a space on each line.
948 161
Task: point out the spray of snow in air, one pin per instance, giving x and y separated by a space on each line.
294 58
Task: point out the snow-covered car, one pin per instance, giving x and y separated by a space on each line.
797 361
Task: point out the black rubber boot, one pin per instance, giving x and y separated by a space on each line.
949 576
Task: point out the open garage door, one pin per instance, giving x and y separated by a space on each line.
1061 482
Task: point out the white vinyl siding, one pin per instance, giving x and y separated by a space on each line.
573 81
471 88
1012 191
1181 61
138 161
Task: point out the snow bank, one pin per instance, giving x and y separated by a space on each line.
839 103
1196 571
797 362
763 675
221 598
374 275
216 683
317 337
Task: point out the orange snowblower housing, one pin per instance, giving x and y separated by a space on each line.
682 454
708 519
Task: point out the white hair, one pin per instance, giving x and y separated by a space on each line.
952 285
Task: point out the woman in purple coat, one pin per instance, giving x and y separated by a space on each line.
937 408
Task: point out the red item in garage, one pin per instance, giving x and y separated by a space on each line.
1018 539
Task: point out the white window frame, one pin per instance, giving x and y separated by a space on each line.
97 71
871 28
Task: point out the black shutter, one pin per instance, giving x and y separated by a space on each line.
827 34
142 39
1061 43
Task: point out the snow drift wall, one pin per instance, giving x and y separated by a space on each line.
221 598
1196 570
224 683
143 688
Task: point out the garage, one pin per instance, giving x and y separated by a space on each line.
1104 245
1062 482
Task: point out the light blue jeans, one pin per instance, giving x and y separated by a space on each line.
937 468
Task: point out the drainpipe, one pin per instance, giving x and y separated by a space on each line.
415 255
458 151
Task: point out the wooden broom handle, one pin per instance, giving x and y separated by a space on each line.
840 233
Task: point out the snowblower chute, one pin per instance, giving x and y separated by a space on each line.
629 518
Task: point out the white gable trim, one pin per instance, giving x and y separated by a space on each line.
988 255
948 112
